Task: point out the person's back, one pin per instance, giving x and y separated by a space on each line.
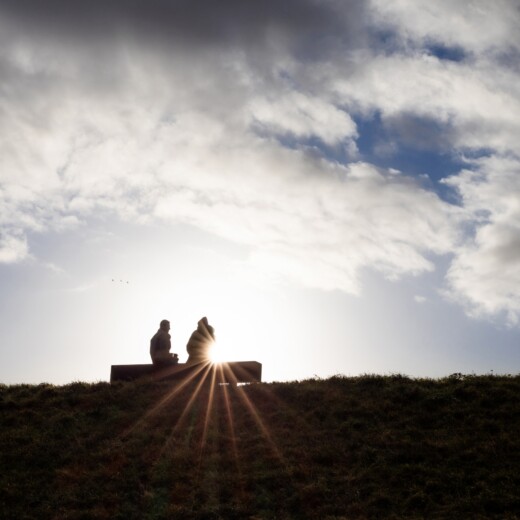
160 346
200 342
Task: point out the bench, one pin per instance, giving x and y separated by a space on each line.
233 372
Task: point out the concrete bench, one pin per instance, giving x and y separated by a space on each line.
231 372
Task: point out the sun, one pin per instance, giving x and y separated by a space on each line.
217 355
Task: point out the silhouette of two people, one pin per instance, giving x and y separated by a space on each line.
198 346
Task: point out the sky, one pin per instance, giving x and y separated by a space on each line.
335 184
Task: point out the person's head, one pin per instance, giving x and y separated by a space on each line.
164 325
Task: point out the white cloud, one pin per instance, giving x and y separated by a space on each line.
478 103
322 222
485 274
13 247
191 129
314 222
478 25
304 117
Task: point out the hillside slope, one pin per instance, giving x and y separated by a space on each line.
366 447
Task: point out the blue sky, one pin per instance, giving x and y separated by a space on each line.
334 184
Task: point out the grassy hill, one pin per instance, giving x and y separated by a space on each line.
364 447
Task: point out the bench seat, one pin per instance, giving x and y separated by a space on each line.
229 372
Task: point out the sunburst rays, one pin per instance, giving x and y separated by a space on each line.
213 405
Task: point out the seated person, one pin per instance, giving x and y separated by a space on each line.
160 346
200 342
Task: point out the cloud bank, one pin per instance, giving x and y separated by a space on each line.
244 120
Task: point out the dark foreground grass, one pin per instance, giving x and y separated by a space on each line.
365 447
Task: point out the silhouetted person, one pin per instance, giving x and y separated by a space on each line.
200 342
160 346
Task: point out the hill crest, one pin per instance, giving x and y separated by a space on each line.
363 447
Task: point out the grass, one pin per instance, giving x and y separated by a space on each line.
342 448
